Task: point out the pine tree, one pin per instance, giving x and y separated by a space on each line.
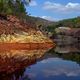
14 7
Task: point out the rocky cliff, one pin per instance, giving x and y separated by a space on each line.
13 30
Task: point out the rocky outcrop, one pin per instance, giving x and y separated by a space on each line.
13 30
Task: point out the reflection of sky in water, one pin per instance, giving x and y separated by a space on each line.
54 69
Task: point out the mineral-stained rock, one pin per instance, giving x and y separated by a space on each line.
13 30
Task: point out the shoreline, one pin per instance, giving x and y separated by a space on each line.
24 46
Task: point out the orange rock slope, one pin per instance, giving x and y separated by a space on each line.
13 30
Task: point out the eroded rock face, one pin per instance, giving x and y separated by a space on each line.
13 30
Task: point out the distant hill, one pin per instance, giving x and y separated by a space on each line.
72 22
39 21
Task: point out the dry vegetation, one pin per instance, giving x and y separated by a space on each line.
12 30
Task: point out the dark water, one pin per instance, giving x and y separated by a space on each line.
61 63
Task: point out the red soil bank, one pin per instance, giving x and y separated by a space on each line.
24 46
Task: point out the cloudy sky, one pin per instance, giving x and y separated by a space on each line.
54 9
54 69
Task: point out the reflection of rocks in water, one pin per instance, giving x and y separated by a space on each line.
17 75
10 61
67 48
77 45
68 56
72 57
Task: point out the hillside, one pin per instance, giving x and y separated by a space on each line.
13 30
72 22
39 21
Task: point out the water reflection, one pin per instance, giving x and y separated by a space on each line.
56 66
68 48
17 75
67 52
61 63
13 63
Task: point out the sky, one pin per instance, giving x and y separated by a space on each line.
54 10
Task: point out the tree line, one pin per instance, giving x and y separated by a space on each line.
13 7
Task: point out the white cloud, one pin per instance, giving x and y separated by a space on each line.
57 71
48 18
69 7
33 3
